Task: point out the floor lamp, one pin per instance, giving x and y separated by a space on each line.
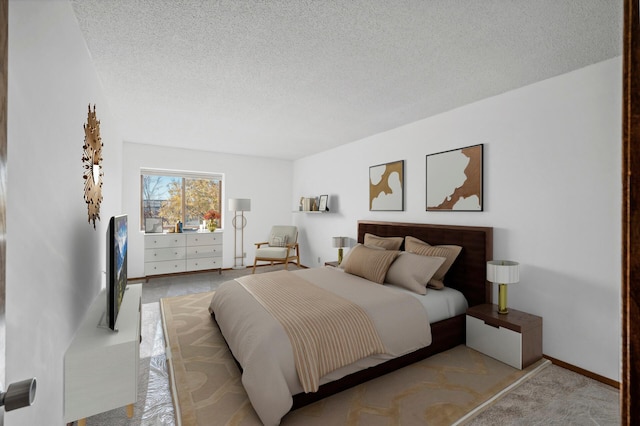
239 205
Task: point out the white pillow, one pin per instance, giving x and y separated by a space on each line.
278 240
413 271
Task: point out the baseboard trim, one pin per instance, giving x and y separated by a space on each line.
582 371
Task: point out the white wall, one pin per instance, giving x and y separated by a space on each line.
267 182
552 170
55 258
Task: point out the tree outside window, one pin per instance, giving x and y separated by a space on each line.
176 198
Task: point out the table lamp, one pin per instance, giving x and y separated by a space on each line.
339 243
503 272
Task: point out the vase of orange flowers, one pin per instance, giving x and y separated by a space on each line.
212 217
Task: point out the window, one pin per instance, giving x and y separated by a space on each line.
178 196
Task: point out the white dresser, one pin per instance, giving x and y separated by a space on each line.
185 252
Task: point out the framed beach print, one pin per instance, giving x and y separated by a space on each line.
454 180
386 187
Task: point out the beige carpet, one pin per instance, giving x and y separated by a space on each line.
207 390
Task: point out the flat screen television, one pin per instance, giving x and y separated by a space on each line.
117 243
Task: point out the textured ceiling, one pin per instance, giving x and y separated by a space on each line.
290 78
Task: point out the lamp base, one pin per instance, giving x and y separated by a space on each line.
502 299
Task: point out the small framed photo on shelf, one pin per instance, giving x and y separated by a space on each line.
322 205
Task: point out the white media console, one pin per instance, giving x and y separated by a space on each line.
101 365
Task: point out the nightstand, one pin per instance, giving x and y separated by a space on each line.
514 338
334 264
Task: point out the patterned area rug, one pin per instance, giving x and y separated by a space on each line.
440 390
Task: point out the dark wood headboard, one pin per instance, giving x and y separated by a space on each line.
468 272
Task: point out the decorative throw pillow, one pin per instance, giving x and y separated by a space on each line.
413 271
369 263
450 252
346 256
387 243
278 240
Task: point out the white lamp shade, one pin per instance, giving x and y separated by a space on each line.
340 242
503 271
239 204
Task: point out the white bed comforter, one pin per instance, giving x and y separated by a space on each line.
260 344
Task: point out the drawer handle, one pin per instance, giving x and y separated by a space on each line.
491 325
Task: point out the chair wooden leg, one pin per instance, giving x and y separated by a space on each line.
253 271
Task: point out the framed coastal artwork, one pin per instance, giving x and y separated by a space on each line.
454 180
386 187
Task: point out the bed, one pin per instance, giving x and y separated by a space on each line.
272 395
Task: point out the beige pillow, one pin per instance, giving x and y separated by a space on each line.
387 243
413 271
346 256
450 252
369 263
278 240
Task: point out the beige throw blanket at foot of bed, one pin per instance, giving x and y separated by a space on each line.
260 344
326 331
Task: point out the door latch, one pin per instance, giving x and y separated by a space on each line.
18 395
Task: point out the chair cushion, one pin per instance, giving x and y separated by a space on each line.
273 252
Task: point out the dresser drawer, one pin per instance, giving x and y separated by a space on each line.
204 263
169 267
498 342
162 254
164 240
197 252
204 239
